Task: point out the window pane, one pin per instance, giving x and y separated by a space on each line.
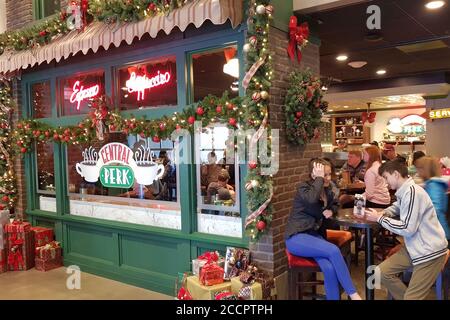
79 89
215 72
51 7
148 195
45 176
147 85
41 100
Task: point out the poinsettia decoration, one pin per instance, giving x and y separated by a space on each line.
304 107
298 38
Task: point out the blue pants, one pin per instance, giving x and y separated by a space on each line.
328 257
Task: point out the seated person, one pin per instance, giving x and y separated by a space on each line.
222 183
355 166
341 146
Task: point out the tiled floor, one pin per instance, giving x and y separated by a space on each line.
51 285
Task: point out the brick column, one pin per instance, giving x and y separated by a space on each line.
269 252
18 13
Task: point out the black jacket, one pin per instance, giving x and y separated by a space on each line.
307 210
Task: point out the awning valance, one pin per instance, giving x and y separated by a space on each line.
99 34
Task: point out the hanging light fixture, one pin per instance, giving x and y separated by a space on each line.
232 66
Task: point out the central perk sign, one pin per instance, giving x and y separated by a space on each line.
141 83
118 167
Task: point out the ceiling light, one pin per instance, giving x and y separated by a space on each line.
232 68
381 72
435 5
346 107
341 57
357 64
330 110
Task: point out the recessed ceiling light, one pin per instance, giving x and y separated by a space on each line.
357 64
380 72
341 57
345 107
434 4
358 108
330 110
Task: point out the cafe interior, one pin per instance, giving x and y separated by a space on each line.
386 87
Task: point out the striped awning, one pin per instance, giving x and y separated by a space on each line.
99 34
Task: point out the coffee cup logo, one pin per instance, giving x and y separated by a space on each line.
88 168
146 170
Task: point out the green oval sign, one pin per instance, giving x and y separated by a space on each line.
116 176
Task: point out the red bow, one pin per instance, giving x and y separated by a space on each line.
15 259
368 116
297 37
209 256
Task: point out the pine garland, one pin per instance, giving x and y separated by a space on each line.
8 190
304 107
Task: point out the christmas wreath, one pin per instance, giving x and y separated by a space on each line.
304 107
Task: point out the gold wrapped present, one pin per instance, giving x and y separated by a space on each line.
255 289
201 292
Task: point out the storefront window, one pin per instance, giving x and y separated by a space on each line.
150 84
78 90
45 176
214 72
41 102
125 178
217 182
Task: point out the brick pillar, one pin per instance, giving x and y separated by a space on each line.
269 252
19 165
18 13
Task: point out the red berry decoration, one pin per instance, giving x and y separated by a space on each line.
5 198
43 33
299 114
219 109
261 225
55 136
200 111
191 120
252 165
156 139
23 150
162 126
232 122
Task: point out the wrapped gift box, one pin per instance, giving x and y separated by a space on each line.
42 236
48 264
20 251
3 261
201 292
211 274
50 251
247 292
197 264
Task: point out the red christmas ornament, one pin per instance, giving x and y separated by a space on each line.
2 207
43 33
219 109
67 138
178 127
191 120
5 198
112 128
256 96
162 126
230 106
19 126
125 131
156 139
200 111
142 134
232 122
38 133
55 136
67 132
23 150
19 143
252 165
152 7
47 134
132 125
260 225
299 114
81 125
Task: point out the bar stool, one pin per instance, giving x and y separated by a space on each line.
299 267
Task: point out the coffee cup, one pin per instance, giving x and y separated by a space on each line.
147 173
89 172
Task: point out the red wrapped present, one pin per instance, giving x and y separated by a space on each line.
20 254
3 263
50 251
46 265
17 226
42 236
211 274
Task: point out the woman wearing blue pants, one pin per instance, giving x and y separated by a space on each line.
306 232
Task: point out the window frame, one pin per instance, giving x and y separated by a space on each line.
38 10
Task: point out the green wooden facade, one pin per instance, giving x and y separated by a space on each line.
144 256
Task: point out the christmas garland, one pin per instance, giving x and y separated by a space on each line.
8 190
108 11
248 112
304 107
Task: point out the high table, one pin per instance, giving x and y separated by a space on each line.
346 218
